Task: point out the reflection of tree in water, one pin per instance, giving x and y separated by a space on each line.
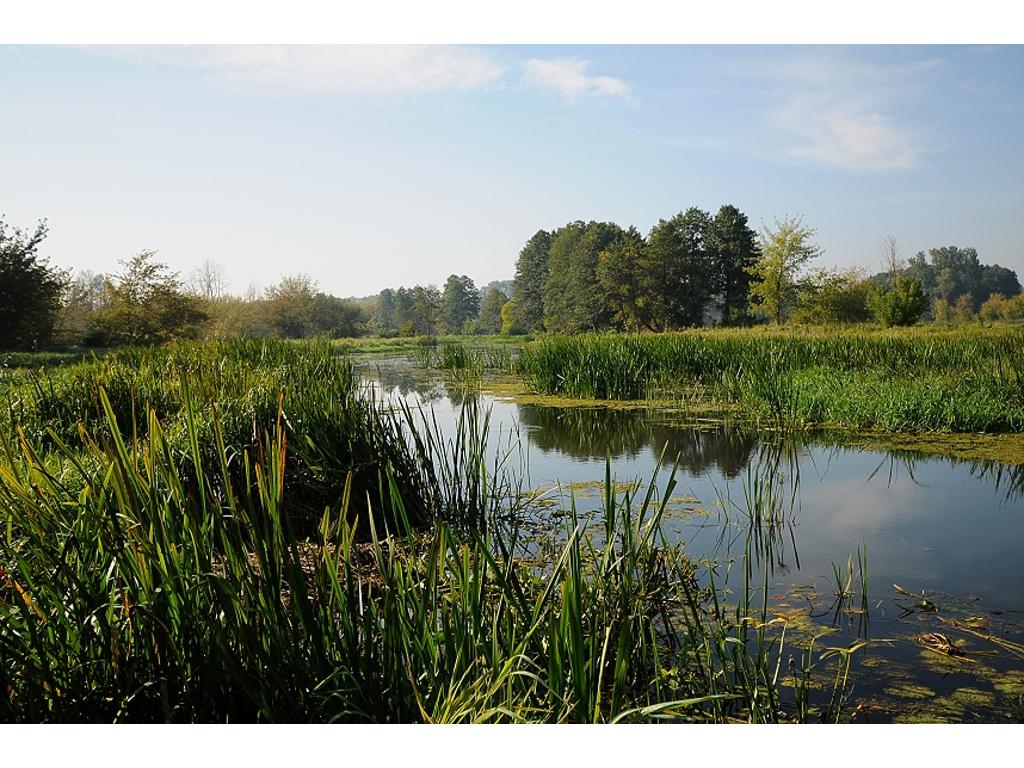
585 433
593 433
404 378
697 449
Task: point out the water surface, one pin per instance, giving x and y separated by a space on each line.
950 532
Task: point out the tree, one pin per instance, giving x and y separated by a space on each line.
675 272
618 272
942 312
30 290
460 303
425 314
957 271
290 306
509 319
997 279
733 250
573 299
145 304
489 321
404 302
239 316
531 275
784 252
994 307
385 312
83 298
207 280
963 310
902 302
832 296
334 317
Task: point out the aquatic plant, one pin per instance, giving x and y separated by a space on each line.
961 380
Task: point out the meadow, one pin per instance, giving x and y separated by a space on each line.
237 531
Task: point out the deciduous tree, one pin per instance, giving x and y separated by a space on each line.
733 250
531 275
145 304
30 290
489 321
676 275
460 303
784 252
619 273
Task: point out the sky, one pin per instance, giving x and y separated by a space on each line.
368 167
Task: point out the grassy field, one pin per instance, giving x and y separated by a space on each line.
964 379
234 532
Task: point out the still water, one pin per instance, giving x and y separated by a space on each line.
942 539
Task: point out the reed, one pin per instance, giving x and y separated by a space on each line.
958 380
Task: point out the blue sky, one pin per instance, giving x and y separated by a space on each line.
369 167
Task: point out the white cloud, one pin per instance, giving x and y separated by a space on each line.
837 109
349 68
570 79
841 136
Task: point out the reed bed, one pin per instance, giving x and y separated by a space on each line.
152 567
959 380
463 358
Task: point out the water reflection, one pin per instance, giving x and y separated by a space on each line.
596 433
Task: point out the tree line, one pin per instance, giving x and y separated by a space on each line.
693 269
690 269
698 269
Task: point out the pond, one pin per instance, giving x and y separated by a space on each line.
917 555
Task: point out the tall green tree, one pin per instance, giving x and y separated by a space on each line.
618 272
489 321
405 300
335 317
528 285
460 303
574 300
145 304
290 305
732 250
676 273
425 315
996 279
30 290
957 271
384 312
784 252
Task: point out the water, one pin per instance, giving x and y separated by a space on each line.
947 531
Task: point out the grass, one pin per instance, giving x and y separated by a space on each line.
924 380
160 560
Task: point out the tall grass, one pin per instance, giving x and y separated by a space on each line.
244 385
958 380
153 572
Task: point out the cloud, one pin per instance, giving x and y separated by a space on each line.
841 136
339 68
570 79
837 109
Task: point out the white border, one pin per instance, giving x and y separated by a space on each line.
510 21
